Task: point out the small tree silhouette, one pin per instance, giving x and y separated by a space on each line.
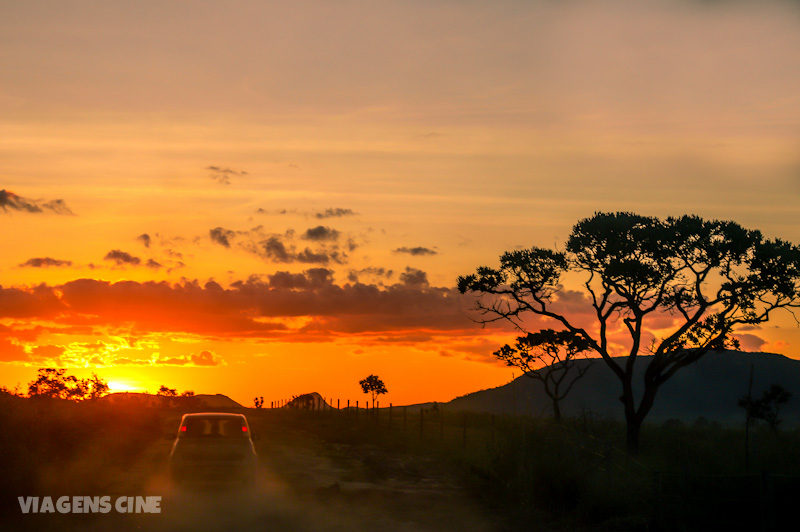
95 387
559 351
167 392
767 407
258 402
374 386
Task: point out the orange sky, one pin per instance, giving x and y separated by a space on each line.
313 177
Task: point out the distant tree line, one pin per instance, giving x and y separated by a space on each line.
54 383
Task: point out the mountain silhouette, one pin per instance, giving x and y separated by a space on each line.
217 401
709 388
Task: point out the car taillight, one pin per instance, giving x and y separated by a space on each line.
244 429
183 428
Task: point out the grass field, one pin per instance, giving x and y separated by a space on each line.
478 472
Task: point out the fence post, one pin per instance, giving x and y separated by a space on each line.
356 408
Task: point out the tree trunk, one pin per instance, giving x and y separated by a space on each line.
633 428
556 411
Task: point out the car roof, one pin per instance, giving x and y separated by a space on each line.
213 414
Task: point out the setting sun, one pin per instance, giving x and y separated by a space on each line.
121 386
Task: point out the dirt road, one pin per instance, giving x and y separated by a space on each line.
304 485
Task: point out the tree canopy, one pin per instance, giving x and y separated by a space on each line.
557 353
374 386
54 383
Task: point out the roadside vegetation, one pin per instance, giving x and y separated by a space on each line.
573 475
576 474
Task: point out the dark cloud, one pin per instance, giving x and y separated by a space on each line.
354 275
275 250
282 248
414 277
311 278
145 239
252 308
153 264
9 200
221 236
320 257
416 251
321 233
122 257
261 210
335 212
43 262
223 175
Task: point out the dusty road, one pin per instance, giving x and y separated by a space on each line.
305 484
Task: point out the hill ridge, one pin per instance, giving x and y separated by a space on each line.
707 388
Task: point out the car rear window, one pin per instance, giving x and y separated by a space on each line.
213 427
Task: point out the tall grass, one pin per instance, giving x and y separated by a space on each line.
576 474
52 446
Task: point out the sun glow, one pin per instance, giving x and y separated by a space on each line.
122 386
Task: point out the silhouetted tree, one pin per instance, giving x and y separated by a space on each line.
96 387
767 407
54 383
258 402
5 392
188 393
558 352
167 392
700 278
374 386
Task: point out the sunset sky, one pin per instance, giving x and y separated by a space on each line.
257 198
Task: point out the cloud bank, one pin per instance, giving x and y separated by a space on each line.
14 202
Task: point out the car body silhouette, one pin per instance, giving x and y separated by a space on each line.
213 450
